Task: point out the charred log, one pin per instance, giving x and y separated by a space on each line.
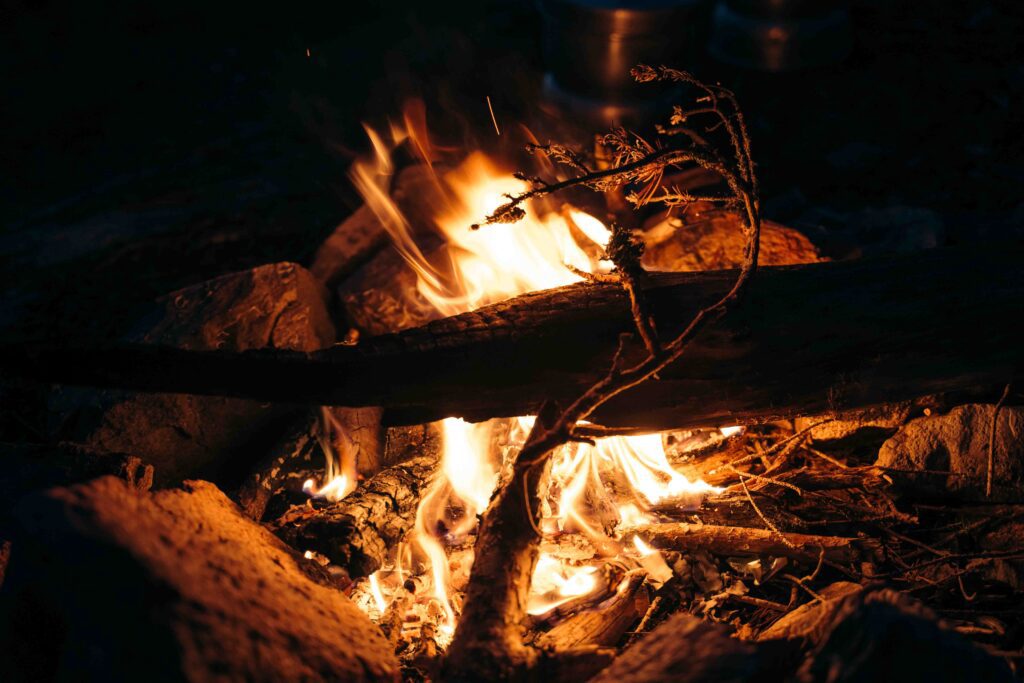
291 459
357 531
809 339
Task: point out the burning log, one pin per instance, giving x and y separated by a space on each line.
358 531
198 591
741 541
605 623
290 460
868 332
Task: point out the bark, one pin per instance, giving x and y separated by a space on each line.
290 459
808 339
358 531
741 541
603 624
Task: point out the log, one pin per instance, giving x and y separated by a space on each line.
291 459
807 339
734 541
603 624
357 532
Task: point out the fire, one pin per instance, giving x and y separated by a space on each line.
474 268
334 490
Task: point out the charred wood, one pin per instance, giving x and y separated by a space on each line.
357 532
809 339
291 459
741 541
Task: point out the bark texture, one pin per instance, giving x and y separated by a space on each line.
106 583
357 531
807 340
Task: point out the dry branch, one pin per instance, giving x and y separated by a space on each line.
358 531
742 541
807 340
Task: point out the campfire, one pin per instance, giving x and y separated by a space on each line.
581 415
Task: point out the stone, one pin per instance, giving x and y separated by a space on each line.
715 241
106 583
278 305
947 455
850 429
883 635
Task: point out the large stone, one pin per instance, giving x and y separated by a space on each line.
715 241
109 584
947 455
274 306
883 635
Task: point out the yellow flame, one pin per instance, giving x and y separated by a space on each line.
642 547
555 583
335 489
378 597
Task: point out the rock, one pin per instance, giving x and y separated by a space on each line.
686 649
857 428
807 622
106 583
896 229
715 241
274 306
884 635
957 443
27 468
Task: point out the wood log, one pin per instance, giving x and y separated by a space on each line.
358 531
807 339
290 459
603 624
740 541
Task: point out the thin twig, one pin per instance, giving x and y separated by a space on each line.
992 440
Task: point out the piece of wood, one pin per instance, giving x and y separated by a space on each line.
807 339
603 624
290 459
734 541
358 531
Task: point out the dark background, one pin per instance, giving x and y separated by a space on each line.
149 147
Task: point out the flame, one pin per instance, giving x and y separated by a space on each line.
555 583
378 597
337 488
642 547
730 431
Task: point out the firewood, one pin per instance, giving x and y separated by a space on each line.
290 459
807 340
175 583
741 542
358 531
603 624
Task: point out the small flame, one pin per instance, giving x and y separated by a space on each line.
378 597
336 489
730 431
642 547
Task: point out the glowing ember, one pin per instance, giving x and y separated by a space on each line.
731 431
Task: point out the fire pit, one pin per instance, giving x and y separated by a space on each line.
578 413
